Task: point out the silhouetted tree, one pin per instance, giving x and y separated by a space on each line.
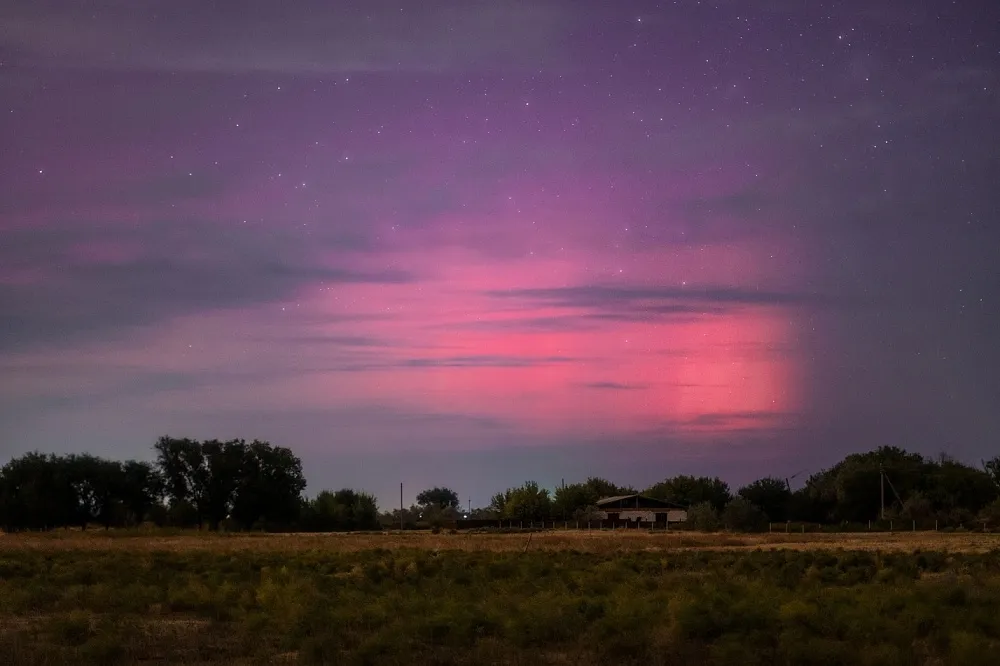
769 494
441 498
741 515
269 489
142 491
216 480
572 498
690 490
37 493
99 486
526 502
340 511
992 467
703 516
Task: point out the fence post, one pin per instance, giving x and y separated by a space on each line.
935 524
890 526
914 526
869 526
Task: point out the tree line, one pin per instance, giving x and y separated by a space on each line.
886 484
240 485
233 484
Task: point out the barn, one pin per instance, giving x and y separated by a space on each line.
639 508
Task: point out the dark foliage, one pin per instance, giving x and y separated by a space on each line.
442 498
691 490
40 491
342 510
256 485
193 484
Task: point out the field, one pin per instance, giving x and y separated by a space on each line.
540 598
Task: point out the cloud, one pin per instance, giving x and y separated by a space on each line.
304 38
615 386
66 282
736 419
481 361
613 302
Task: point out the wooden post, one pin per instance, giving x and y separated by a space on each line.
914 526
935 524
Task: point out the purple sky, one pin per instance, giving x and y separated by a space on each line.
475 243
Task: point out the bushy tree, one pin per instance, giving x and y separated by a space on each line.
852 489
38 493
916 507
950 486
992 468
441 498
990 514
343 510
527 502
740 515
577 500
250 484
142 491
771 495
99 487
703 516
45 491
572 498
269 487
691 490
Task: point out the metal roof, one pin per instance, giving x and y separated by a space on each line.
619 498
616 498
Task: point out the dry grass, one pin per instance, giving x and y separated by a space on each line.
594 542
157 597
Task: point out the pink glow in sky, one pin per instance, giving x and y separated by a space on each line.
469 246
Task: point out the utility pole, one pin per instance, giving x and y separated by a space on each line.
400 506
881 483
470 507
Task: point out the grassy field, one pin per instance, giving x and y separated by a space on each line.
553 598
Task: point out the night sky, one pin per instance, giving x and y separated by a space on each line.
475 243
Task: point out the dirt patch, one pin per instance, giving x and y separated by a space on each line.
596 541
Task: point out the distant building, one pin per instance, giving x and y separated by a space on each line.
639 508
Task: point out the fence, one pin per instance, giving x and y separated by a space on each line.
563 525
789 527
